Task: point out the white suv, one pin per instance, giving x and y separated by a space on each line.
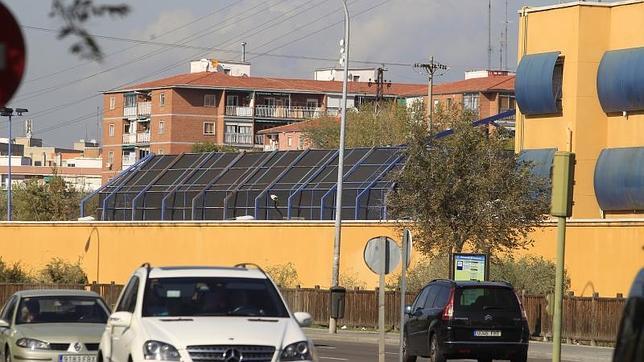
204 314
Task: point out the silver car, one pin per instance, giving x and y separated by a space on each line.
52 326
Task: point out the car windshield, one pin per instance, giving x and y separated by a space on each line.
61 309
211 296
481 299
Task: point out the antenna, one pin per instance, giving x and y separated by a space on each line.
243 58
29 130
489 34
505 42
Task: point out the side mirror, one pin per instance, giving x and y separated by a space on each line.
418 312
120 319
4 324
408 309
303 319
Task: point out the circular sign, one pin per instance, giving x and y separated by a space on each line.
12 55
376 258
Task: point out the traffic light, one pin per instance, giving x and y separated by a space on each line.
563 174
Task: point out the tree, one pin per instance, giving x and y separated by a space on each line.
60 271
284 275
367 126
465 190
205 147
75 15
53 200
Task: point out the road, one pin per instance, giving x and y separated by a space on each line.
364 348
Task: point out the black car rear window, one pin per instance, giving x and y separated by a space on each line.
482 299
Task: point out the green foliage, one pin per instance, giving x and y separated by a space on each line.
533 274
368 126
54 200
351 280
3 205
466 190
75 15
284 275
60 271
204 147
13 273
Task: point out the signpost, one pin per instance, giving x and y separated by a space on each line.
382 255
12 55
406 248
466 267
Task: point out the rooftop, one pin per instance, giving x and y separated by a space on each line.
205 271
581 3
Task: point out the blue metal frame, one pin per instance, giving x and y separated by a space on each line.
203 191
263 162
277 179
151 183
481 122
351 170
179 184
331 156
147 158
372 183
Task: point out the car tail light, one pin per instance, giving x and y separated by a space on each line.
448 312
523 313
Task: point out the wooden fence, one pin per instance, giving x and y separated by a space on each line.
591 319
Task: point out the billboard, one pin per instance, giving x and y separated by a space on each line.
474 267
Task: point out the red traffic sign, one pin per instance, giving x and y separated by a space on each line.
12 55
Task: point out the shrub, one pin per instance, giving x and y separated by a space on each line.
60 271
284 275
14 273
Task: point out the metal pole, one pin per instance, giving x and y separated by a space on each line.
338 199
556 321
403 290
384 248
9 211
430 95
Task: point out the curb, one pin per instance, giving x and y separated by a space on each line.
351 336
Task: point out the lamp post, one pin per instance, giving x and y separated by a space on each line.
9 112
338 199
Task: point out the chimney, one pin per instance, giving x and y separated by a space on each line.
243 58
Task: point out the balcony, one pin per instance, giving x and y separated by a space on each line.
129 138
237 111
144 109
288 112
238 138
143 137
128 161
129 112
259 139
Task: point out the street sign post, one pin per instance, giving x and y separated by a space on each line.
382 255
406 256
12 55
469 267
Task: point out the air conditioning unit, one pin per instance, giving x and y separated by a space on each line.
108 165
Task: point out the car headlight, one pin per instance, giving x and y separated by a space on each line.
159 351
298 351
32 343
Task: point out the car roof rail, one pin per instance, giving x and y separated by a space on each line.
442 280
148 268
503 282
246 265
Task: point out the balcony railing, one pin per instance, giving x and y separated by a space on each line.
238 138
129 138
129 112
143 137
238 111
273 146
144 109
259 139
128 161
288 112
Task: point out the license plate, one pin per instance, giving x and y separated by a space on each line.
77 358
487 333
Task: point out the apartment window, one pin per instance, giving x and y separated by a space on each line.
506 102
437 105
161 127
449 103
557 82
130 100
112 102
111 130
289 141
300 146
162 99
311 103
209 128
110 157
209 100
232 101
356 78
471 102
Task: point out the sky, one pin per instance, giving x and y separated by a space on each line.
63 91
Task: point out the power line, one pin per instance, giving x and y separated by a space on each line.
430 68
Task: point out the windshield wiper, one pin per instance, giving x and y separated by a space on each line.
178 319
262 320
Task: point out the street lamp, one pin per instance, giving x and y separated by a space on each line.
338 199
9 112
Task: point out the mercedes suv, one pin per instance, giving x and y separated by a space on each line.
479 320
204 314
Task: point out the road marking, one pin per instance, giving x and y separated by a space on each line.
334 358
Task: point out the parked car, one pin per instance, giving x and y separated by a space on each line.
230 314
52 325
630 338
453 319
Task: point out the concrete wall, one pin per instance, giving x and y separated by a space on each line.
601 256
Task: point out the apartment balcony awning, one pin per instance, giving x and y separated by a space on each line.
540 159
620 80
619 179
534 84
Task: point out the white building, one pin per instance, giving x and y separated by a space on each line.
337 74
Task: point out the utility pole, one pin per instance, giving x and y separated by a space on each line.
380 83
430 68
505 33
9 112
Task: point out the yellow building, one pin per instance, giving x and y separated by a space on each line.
580 88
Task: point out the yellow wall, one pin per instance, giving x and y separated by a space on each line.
582 33
601 256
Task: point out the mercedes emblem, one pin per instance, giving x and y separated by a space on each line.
233 355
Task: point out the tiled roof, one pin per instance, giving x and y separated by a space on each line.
223 81
295 127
